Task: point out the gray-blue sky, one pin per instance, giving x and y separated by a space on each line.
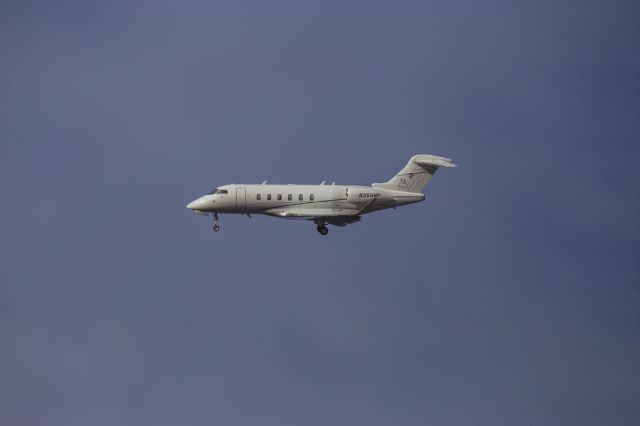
512 296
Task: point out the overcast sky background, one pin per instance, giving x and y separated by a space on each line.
510 297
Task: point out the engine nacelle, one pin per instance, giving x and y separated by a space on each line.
360 195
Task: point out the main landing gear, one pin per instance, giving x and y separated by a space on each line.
216 227
323 230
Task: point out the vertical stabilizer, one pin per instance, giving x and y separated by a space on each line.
416 174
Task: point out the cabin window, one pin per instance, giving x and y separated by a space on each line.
290 197
279 197
258 197
311 197
300 197
268 196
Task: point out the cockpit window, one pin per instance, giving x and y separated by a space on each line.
219 191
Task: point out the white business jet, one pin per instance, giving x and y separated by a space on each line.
333 204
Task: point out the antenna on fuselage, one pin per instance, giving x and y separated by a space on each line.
323 182
265 182
333 183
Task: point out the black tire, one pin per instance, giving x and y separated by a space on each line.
216 228
323 230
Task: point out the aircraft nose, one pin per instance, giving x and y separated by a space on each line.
202 204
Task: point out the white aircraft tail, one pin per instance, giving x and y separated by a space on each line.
416 174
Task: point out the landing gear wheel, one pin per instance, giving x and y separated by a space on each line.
216 227
323 230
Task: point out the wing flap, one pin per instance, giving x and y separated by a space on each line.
338 220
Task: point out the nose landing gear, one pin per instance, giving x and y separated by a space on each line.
216 227
323 230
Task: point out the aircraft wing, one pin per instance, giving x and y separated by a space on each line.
333 217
